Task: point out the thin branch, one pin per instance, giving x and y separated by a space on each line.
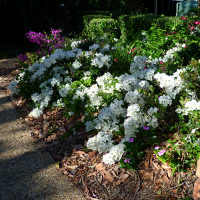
106 192
139 186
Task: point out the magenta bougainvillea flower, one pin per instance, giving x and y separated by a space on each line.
23 57
53 40
163 68
127 160
146 128
184 18
162 152
131 140
197 22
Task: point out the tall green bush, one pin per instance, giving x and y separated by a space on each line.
132 26
103 27
82 14
88 18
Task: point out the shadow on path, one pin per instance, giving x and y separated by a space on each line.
27 171
18 177
3 99
4 118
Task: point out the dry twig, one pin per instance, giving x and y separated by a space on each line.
139 186
102 187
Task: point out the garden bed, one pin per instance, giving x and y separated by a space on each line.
122 120
152 180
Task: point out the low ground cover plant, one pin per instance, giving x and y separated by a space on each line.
132 96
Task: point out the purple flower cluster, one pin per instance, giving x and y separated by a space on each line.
131 140
127 160
161 152
50 42
23 57
146 128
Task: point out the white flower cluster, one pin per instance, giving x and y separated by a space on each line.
59 103
189 106
80 93
88 54
106 48
172 84
192 105
39 69
13 87
41 100
57 73
76 64
75 44
140 62
94 47
107 122
36 112
63 91
115 154
101 60
143 71
105 84
165 100
170 54
21 76
110 118
101 142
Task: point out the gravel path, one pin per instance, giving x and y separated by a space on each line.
27 171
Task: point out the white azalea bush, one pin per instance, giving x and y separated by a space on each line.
129 101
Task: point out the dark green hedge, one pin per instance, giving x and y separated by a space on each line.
80 15
128 27
88 18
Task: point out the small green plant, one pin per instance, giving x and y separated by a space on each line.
136 147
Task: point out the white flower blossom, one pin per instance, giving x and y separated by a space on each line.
165 100
36 112
76 65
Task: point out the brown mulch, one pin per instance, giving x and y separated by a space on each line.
153 179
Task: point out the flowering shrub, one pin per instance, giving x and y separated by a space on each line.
178 32
47 43
132 97
52 41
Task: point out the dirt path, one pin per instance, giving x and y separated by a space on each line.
27 171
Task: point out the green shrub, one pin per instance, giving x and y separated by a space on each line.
80 15
132 26
103 27
88 18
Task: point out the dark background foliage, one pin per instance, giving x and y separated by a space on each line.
20 16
